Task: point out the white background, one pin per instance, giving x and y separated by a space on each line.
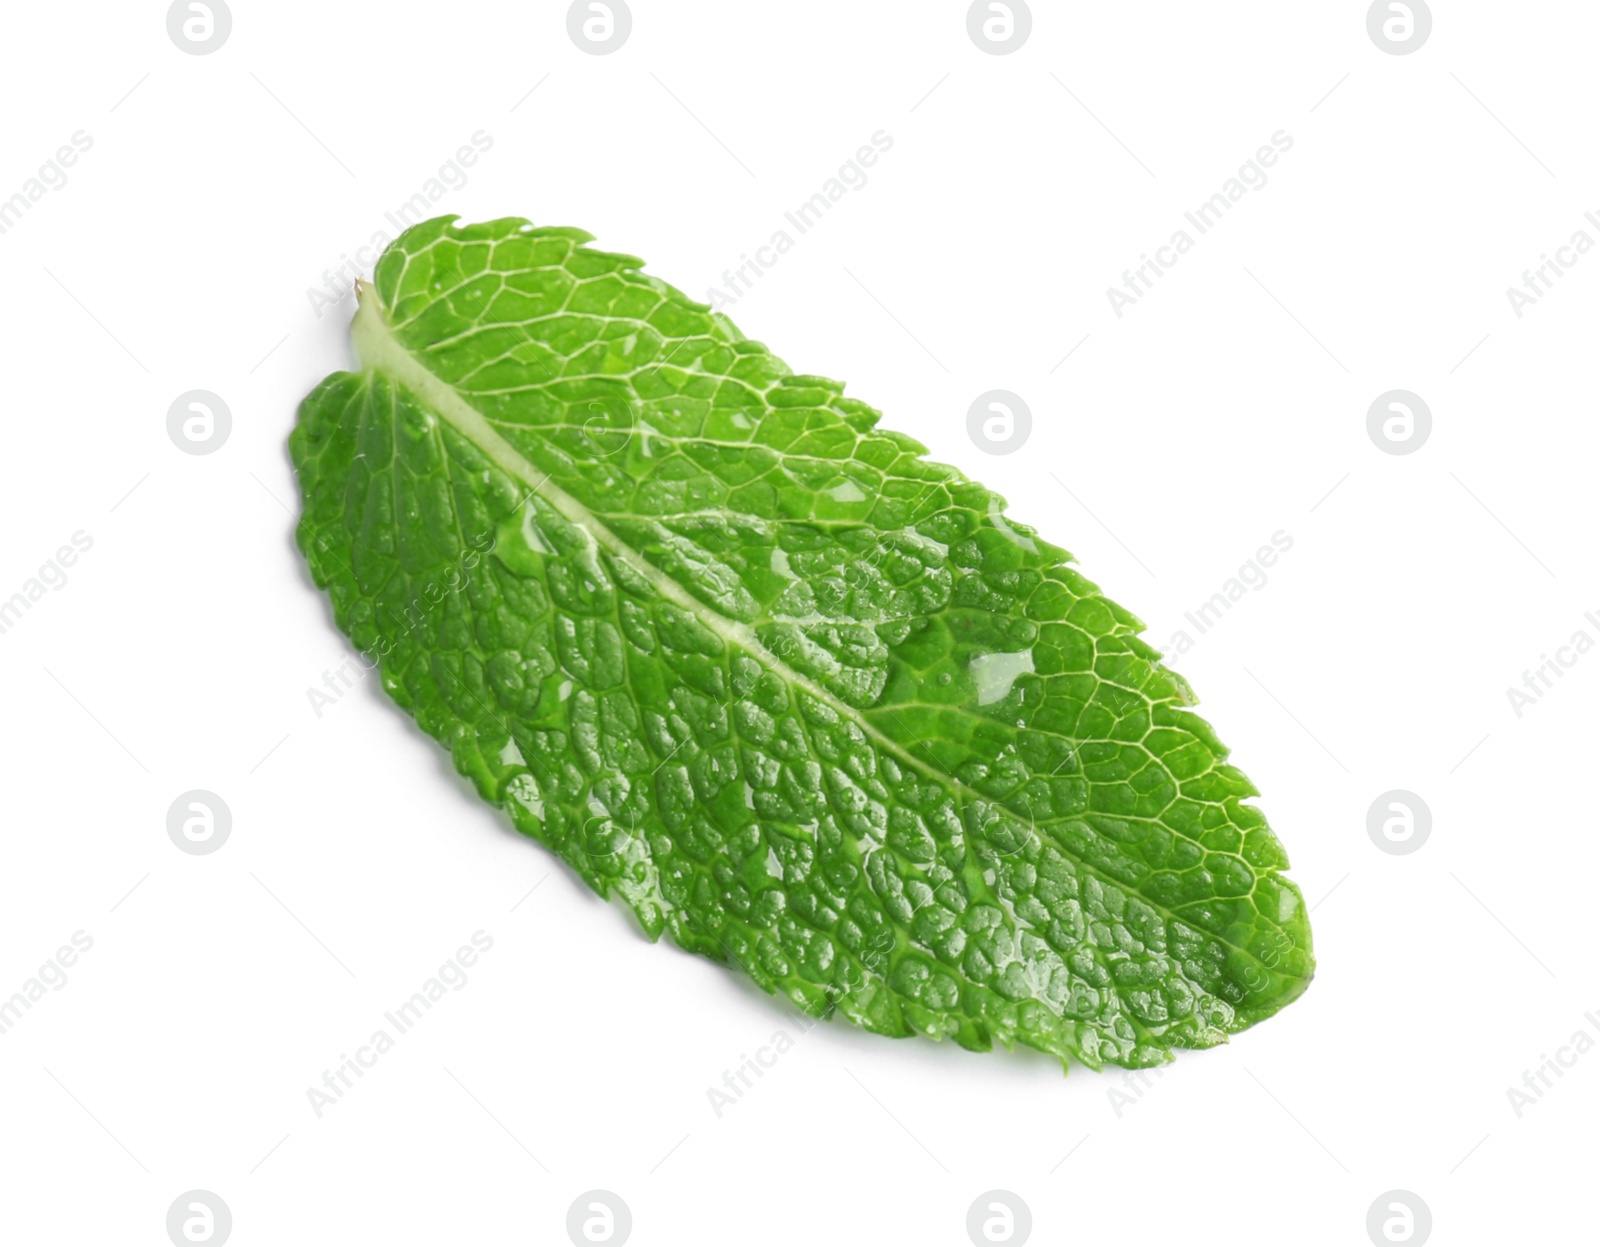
1223 407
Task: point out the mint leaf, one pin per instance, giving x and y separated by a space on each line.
801 699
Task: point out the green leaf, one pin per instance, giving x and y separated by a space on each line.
803 700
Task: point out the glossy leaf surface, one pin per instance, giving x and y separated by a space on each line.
752 665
